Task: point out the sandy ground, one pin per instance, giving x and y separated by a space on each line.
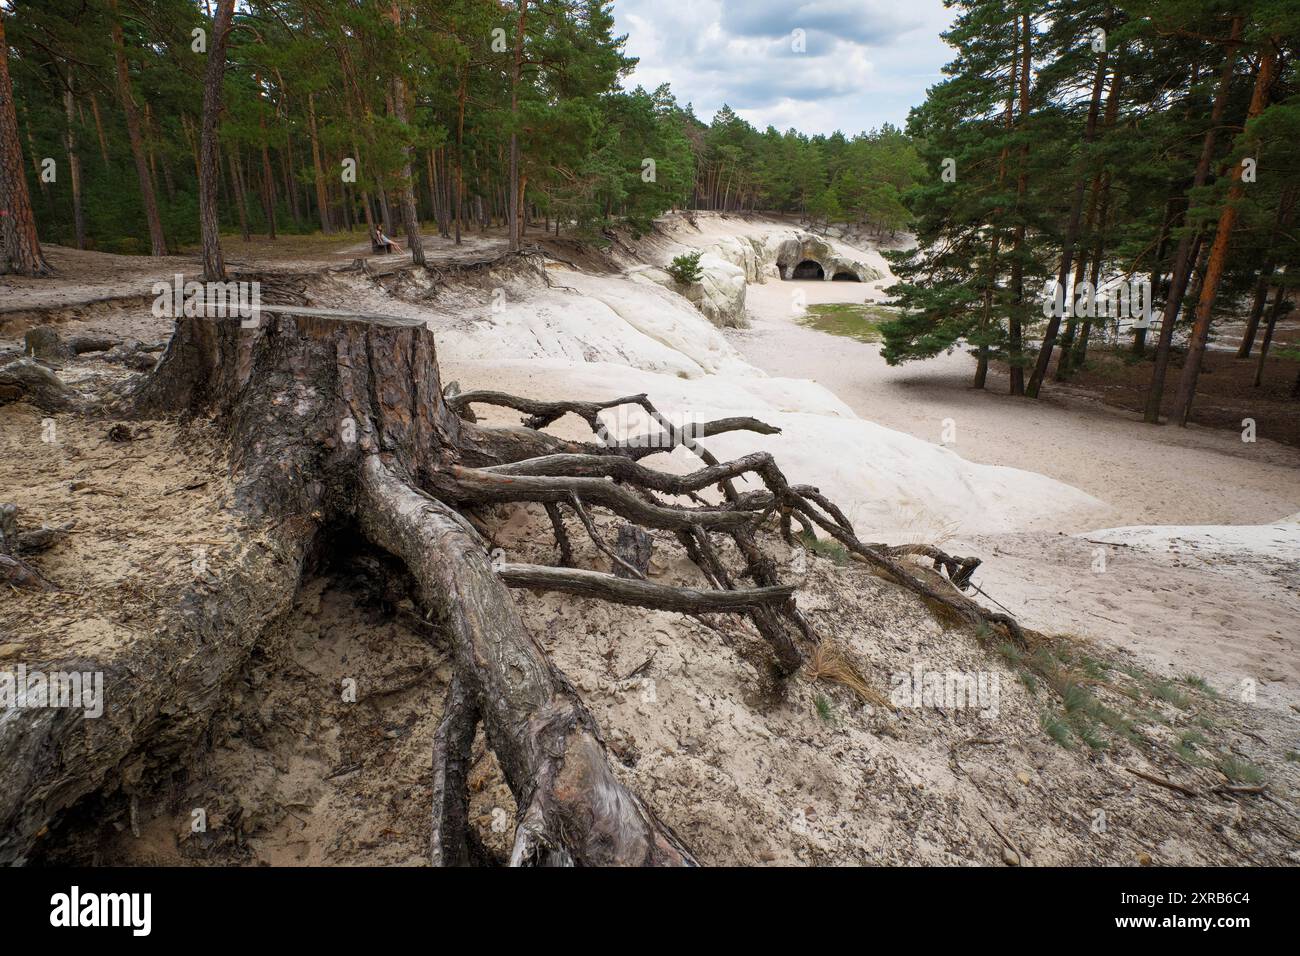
1231 620
747 775
812 775
1148 475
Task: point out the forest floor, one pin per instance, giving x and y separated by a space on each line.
1225 391
1059 768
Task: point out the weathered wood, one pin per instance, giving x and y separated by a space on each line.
28 381
608 587
337 419
573 808
47 344
451 843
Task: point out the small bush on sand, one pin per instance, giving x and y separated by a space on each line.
685 269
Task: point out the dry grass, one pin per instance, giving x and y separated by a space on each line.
920 527
828 663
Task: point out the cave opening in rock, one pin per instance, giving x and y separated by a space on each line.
845 277
808 269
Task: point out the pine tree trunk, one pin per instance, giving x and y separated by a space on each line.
1284 208
1015 333
214 262
1071 234
406 189
240 190
1219 250
1279 296
99 128
322 196
1080 353
20 247
74 165
1166 224
157 241
268 186
460 149
516 212
1188 244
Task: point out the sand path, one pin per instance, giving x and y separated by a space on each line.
1230 616
1148 475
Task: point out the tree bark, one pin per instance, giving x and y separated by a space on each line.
99 129
157 241
322 197
1284 207
1071 233
1279 296
1189 244
516 232
74 164
20 247
1219 251
214 263
1014 326
240 190
406 189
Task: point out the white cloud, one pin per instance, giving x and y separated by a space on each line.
865 62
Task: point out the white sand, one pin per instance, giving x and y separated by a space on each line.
1204 578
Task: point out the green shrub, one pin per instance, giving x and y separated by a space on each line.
685 269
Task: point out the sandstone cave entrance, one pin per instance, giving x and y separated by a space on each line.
808 269
845 277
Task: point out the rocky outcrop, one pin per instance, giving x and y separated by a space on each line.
807 248
720 293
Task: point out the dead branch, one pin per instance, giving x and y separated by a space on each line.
618 590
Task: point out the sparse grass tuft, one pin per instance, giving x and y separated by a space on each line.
1057 729
827 548
1089 735
824 710
828 663
1167 691
1188 742
1241 771
1094 668
1199 683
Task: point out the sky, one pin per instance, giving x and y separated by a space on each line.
863 62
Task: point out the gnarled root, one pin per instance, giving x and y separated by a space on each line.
342 418
549 748
29 381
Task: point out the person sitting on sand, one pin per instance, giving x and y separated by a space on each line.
383 243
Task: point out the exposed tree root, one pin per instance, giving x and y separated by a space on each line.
608 587
573 808
339 420
13 569
29 381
